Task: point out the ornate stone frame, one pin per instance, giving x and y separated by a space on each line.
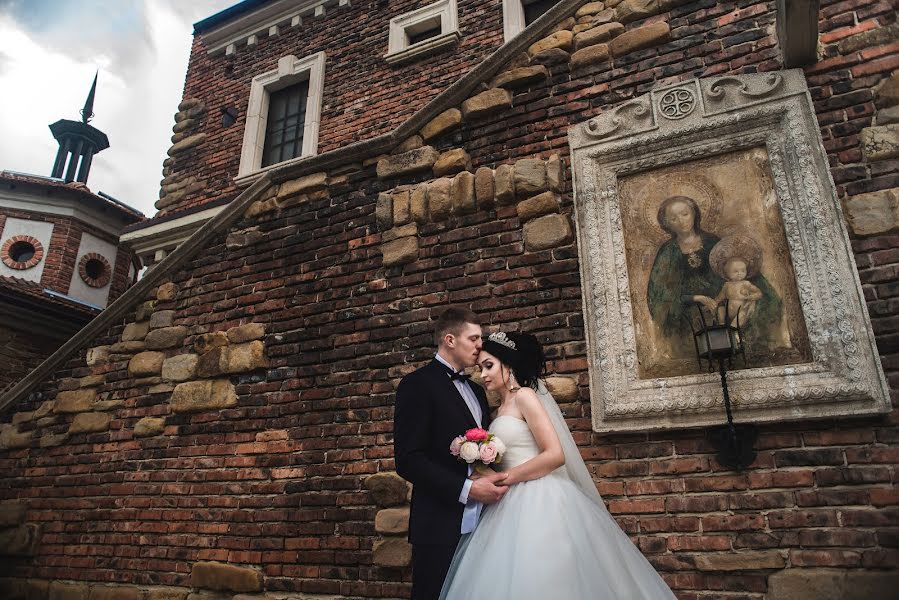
695 119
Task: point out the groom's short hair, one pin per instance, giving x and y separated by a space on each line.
452 321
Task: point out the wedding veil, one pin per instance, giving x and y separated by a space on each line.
574 468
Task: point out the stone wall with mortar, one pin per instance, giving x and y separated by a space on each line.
235 432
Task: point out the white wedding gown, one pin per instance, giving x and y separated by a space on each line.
546 539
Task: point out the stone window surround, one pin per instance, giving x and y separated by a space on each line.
290 70
513 18
398 48
21 266
96 282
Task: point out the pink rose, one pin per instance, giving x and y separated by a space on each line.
456 445
477 435
488 453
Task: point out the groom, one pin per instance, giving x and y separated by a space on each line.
435 404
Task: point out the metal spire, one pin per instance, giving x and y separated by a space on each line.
87 112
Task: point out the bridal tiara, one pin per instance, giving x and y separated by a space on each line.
501 338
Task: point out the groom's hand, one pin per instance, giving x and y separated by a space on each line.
488 489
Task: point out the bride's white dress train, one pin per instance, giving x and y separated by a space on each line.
547 538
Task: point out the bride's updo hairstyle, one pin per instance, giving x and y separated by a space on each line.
521 352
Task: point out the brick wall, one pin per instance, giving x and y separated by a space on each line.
363 95
20 353
275 482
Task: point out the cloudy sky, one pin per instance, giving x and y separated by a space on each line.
49 51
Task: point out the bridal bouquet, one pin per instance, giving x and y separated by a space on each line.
479 448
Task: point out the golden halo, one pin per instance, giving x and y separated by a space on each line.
653 193
738 245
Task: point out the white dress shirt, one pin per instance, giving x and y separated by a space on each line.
472 510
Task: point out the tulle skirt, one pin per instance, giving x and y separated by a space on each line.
546 539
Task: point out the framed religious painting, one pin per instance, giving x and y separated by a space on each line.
712 200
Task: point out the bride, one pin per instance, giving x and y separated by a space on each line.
551 535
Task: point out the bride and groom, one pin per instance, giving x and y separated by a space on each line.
537 528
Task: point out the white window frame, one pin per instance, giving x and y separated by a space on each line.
398 48
291 70
513 18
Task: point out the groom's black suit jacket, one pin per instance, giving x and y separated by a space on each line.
430 412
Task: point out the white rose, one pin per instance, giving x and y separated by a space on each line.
500 446
469 452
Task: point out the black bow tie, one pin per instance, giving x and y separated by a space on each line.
454 376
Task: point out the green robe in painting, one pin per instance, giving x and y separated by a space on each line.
672 277
673 280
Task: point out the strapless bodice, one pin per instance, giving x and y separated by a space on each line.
516 435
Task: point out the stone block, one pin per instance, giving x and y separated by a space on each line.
97 356
486 103
831 584
12 513
384 211
44 409
149 426
20 541
462 193
597 35
68 591
144 310
399 251
161 388
603 17
445 121
452 161
102 405
566 23
244 238
410 143
888 115
69 383
144 363
401 214
483 187
199 396
880 143
541 204
560 39
261 207
414 161
229 578
529 177
553 56
590 8
410 229
75 401
90 422
392 552
135 331
503 185
207 341
563 389
880 36
418 204
874 212
49 440
162 318
303 185
634 10
545 232
127 347
167 593
249 356
640 38
22 417
387 488
117 592
91 381
554 173
187 143
213 363
439 203
182 367
740 561
246 333
520 77
393 521
166 337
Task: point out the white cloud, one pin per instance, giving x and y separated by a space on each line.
49 51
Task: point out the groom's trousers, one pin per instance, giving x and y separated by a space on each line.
430 564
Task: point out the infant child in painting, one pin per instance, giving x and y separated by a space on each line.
740 294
